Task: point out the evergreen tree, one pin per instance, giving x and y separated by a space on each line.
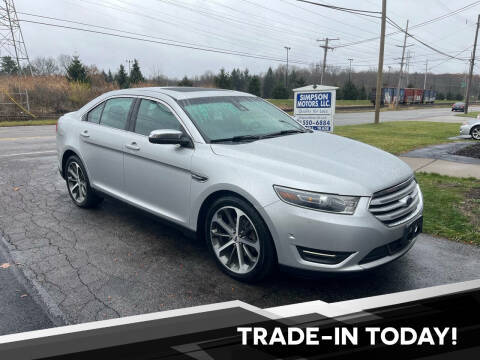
350 91
280 92
135 73
362 94
268 84
236 80
254 85
109 76
185 82
8 66
121 78
76 71
246 79
223 80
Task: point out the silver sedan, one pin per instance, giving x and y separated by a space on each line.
471 128
258 187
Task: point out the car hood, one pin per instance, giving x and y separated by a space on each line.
320 162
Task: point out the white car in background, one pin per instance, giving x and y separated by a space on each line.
471 128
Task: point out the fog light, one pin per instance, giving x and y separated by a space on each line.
323 256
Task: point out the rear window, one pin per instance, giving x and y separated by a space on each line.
94 115
115 113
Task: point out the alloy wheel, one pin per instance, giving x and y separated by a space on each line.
77 183
234 239
476 133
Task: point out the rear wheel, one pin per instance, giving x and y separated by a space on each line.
475 132
239 240
78 184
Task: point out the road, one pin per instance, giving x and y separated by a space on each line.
117 261
19 311
426 114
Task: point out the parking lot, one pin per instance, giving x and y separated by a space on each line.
116 261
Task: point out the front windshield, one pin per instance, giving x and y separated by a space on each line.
227 117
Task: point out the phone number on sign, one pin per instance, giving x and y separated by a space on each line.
307 122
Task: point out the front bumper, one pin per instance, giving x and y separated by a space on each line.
355 237
465 129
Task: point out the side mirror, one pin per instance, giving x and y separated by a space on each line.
169 136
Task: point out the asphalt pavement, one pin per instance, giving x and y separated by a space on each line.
117 261
19 311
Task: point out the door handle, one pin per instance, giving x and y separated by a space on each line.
132 146
84 133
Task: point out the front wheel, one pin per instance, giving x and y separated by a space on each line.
78 184
239 239
475 132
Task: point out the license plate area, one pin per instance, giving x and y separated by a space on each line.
410 232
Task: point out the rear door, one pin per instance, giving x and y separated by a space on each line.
157 176
103 135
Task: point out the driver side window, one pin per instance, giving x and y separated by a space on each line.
154 116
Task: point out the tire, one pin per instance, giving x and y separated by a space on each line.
475 132
78 185
255 243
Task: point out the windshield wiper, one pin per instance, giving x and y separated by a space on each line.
283 132
237 138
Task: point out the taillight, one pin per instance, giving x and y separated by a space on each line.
56 126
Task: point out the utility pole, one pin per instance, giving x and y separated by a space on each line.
407 66
397 99
472 63
325 50
350 72
425 78
11 37
286 73
380 62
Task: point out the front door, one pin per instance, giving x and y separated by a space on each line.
157 176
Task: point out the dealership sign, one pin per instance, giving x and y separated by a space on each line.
314 106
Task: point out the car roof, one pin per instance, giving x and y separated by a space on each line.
179 92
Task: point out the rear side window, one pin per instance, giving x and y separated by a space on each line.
154 116
115 113
94 115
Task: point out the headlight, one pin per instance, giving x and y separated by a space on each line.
318 201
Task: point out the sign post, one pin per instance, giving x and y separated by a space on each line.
314 106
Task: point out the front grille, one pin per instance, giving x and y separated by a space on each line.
397 204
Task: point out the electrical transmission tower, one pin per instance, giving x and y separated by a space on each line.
11 37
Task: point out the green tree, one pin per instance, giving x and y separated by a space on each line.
185 82
109 77
459 97
223 80
300 82
350 91
440 96
76 71
121 78
8 66
268 84
280 92
450 96
237 80
254 85
362 94
136 75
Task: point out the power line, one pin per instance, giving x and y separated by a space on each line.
338 8
200 48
